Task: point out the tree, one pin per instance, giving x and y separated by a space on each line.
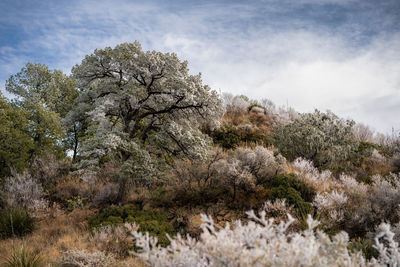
15 141
47 96
140 104
321 137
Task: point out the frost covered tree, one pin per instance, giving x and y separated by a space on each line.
324 138
139 104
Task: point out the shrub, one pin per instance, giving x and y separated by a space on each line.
226 136
323 138
48 170
115 239
106 195
23 258
15 221
293 197
23 190
156 223
245 168
291 180
82 258
259 242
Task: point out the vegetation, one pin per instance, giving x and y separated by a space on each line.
23 258
131 143
15 222
155 223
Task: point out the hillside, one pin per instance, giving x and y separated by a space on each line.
132 161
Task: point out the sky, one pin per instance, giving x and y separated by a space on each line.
341 55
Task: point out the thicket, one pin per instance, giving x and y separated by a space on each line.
155 223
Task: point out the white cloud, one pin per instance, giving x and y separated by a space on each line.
305 64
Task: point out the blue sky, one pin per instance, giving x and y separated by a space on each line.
342 55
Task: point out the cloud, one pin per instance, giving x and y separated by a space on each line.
336 54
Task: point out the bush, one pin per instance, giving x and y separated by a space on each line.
23 258
259 242
82 258
15 221
156 223
294 190
227 136
291 180
293 197
323 138
23 190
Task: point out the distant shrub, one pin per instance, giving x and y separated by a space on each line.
291 180
245 168
323 138
293 197
156 223
226 136
294 190
23 258
235 104
15 221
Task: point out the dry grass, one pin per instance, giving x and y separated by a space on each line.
52 236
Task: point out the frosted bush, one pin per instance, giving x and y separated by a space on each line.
115 239
247 167
23 190
363 133
331 206
351 186
388 248
234 104
323 138
260 162
278 209
82 258
260 242
321 181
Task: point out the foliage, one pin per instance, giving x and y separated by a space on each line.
226 136
115 239
323 138
15 142
306 191
245 168
15 221
156 223
23 190
260 242
140 104
23 258
47 96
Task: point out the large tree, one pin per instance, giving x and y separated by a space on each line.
142 105
47 96
15 142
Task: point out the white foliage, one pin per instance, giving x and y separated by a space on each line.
260 242
23 190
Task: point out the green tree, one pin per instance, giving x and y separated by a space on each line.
15 142
47 96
